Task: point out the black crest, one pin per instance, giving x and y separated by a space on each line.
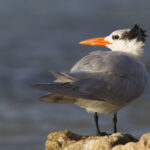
135 32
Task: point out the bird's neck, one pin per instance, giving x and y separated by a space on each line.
136 49
139 53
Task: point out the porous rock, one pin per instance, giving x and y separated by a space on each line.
66 140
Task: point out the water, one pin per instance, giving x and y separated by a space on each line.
37 36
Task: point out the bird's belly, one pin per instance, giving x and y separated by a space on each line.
97 106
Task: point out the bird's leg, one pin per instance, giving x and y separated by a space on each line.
96 122
115 122
99 133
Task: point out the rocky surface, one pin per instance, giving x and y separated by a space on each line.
66 140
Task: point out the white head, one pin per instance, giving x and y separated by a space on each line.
127 40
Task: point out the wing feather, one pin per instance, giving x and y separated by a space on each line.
114 77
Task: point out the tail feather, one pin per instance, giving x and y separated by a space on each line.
58 98
63 77
53 87
67 89
43 87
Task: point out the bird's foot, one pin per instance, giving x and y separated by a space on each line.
102 134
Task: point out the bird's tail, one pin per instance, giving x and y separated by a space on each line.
57 98
63 77
59 89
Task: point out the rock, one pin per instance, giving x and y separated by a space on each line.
66 140
142 144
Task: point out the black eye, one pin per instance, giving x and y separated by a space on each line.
115 37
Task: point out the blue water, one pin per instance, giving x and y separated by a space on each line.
37 36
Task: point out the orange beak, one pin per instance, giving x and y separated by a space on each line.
99 41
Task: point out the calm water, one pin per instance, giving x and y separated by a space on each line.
37 36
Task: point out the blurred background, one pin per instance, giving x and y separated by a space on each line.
37 36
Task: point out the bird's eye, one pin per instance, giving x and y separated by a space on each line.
115 37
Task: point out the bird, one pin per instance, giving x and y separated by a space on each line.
103 81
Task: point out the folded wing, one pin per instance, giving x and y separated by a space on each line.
116 78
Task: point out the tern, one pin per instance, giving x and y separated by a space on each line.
104 81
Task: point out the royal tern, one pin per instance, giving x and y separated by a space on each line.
104 81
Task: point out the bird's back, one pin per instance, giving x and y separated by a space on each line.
115 62
118 73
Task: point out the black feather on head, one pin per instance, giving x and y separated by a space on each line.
135 32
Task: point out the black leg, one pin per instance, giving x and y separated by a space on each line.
96 122
115 122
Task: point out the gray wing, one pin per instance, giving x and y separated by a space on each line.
110 76
114 90
119 63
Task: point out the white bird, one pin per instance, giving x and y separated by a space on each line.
104 81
